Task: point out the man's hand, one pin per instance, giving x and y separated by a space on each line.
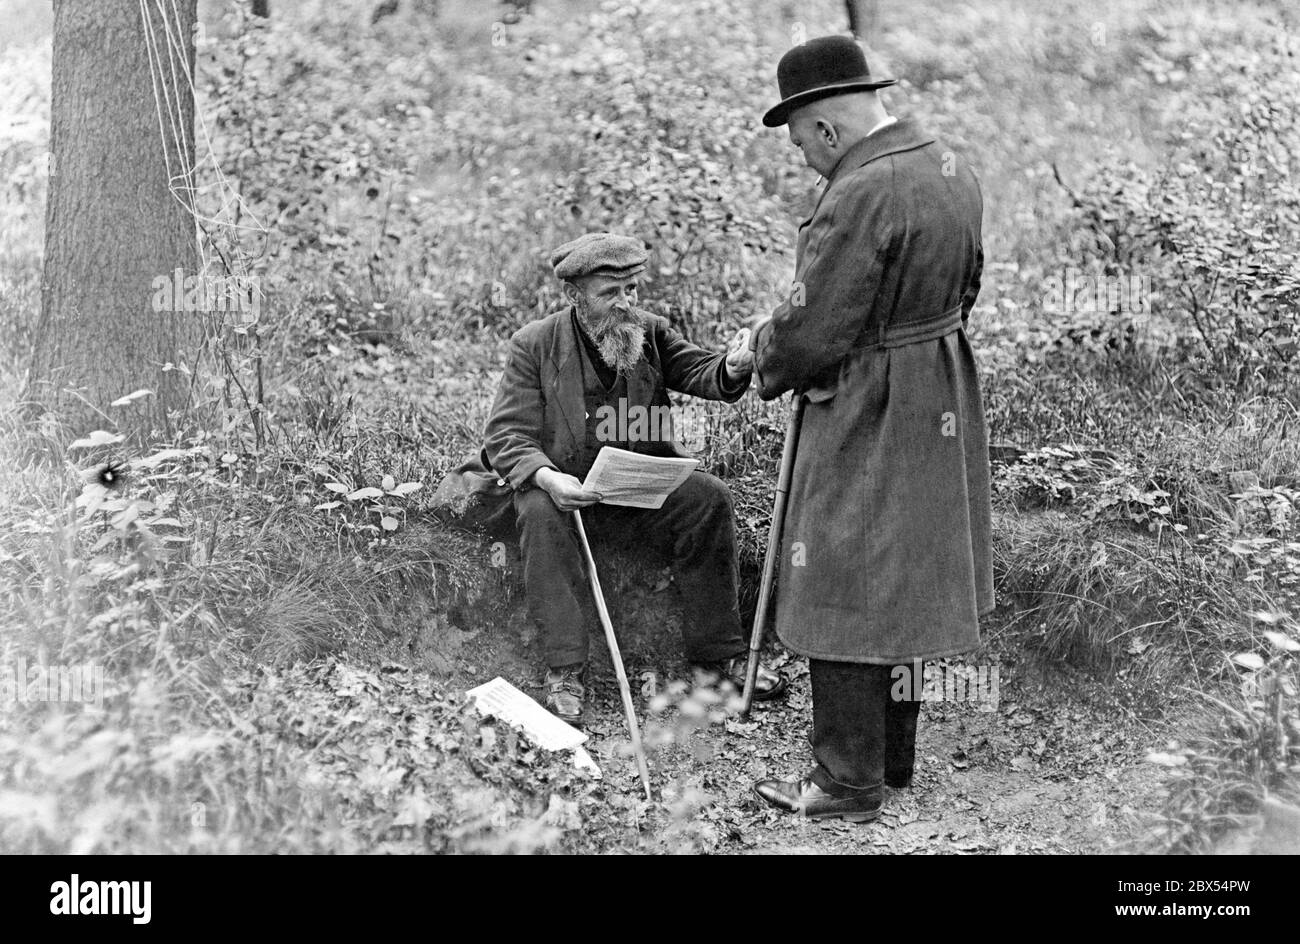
740 359
565 490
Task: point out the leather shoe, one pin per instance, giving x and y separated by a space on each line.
810 801
768 683
565 693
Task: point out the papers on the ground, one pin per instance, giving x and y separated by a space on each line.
503 701
582 760
629 478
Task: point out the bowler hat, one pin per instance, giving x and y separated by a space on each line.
820 68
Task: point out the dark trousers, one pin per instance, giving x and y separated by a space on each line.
864 734
696 526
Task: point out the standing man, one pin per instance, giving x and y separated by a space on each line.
598 374
887 557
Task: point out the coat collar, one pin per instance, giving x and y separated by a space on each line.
564 341
902 135
566 376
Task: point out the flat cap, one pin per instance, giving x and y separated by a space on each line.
599 254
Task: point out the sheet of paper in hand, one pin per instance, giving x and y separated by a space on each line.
629 478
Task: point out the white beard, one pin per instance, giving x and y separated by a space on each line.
619 341
620 346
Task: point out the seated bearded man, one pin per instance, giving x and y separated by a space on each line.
567 375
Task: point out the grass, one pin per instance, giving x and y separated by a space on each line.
229 635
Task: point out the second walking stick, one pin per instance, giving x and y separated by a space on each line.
773 551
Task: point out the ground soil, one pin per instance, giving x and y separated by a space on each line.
1055 767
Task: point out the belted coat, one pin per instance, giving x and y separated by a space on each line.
887 545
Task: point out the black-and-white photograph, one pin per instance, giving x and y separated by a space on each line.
722 427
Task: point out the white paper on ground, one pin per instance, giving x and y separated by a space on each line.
629 478
582 760
502 700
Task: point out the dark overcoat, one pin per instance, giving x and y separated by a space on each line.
538 418
886 552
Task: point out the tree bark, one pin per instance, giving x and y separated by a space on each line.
862 18
118 215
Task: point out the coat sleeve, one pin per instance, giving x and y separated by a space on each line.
514 428
809 334
691 369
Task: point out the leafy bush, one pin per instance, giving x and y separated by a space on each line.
1213 228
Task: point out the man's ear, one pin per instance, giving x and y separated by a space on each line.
826 131
572 292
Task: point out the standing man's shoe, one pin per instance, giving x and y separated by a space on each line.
565 693
812 802
768 683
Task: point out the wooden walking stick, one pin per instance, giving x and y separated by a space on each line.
612 641
773 552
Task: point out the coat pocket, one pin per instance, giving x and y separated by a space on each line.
822 392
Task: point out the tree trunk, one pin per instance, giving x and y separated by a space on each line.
118 216
862 18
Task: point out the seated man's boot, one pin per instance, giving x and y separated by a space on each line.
565 693
768 683
810 801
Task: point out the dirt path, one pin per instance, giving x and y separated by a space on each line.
1056 767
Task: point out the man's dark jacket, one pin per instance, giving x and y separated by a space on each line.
888 553
538 419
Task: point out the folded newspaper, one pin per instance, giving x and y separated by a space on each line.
501 700
629 478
